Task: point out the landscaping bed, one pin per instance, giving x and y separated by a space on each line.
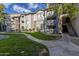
20 45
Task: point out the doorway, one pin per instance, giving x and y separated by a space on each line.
65 23
64 29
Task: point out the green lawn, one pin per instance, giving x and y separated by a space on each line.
42 36
19 45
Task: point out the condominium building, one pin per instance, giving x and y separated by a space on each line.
50 22
26 22
12 22
38 21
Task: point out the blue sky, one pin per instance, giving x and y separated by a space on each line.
12 8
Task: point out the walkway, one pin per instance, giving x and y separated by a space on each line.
4 37
61 47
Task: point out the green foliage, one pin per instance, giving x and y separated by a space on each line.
2 7
71 9
51 18
2 13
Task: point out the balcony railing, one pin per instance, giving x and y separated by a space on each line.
51 26
50 22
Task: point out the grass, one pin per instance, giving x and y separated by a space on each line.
19 45
42 36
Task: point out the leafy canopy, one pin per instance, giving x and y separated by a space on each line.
2 13
67 8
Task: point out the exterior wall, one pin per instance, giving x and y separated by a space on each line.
7 23
23 22
15 23
39 21
29 25
26 22
12 22
34 20
75 24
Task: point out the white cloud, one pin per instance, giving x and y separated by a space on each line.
33 5
20 9
6 4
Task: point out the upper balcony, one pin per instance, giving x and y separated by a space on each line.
50 13
50 22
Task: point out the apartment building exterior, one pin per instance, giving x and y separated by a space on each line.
12 23
51 23
31 21
27 22
18 22
38 21
42 20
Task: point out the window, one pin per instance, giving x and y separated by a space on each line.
22 21
22 16
12 17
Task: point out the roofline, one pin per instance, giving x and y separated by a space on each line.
29 13
35 12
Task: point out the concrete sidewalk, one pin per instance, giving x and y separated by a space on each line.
61 47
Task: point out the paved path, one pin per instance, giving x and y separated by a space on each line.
61 47
3 37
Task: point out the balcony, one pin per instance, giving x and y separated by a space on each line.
51 26
50 13
50 22
51 17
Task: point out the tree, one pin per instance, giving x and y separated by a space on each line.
67 8
2 15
